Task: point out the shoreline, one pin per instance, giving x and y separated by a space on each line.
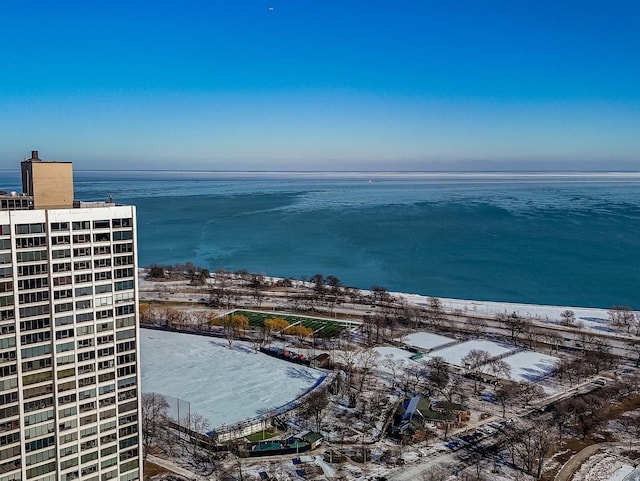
593 316
544 312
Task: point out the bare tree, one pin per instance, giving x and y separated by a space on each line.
367 359
621 316
197 426
505 394
154 419
315 405
567 317
435 313
477 325
477 364
438 472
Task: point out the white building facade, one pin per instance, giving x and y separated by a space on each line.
69 365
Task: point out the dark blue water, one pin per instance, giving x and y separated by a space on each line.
548 239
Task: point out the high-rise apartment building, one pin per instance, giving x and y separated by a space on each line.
69 367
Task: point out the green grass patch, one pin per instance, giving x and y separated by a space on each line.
262 435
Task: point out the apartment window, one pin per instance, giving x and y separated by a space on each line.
5 258
86 316
59 226
67 438
82 265
104 301
31 297
122 222
124 310
64 321
64 307
34 311
123 261
81 238
82 251
100 224
123 248
83 304
121 273
105 339
62 267
30 228
109 401
104 314
31 256
63 360
84 330
125 383
36 378
124 285
102 237
101 263
62 281
38 404
87 368
33 270
66 386
82 278
67 346
101 250
26 242
82 225
64 334
102 288
67 399
35 365
61 254
59 240
64 294
86 356
6 301
123 235
84 291
103 276
107 376
35 351
38 417
84 343
24 284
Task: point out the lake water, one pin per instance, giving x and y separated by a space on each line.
534 238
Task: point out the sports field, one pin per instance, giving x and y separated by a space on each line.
321 327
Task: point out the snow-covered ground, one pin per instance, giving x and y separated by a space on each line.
426 340
223 385
530 366
394 353
454 354
590 318
604 467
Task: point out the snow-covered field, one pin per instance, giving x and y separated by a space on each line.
223 385
454 354
394 353
530 366
604 467
426 340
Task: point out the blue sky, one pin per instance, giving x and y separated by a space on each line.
322 84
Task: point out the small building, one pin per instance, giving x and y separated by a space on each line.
321 361
314 439
421 412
